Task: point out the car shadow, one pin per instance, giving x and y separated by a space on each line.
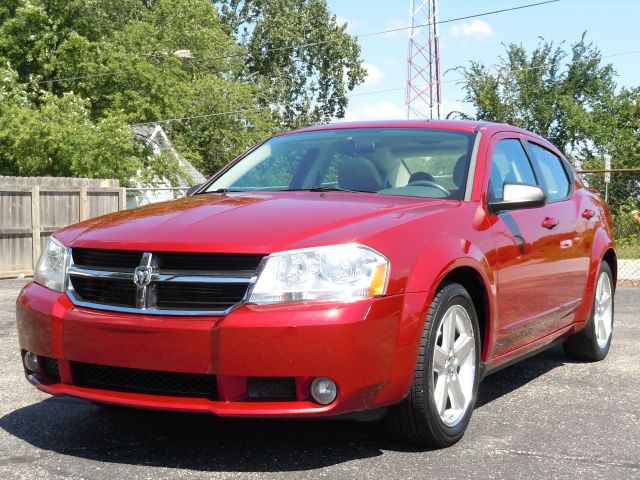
519 374
206 443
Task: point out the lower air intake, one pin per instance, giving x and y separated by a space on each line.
144 381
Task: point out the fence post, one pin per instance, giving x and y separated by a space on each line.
36 226
83 203
122 199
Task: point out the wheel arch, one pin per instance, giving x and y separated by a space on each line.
473 282
611 258
603 250
450 258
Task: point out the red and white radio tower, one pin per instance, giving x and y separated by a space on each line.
424 90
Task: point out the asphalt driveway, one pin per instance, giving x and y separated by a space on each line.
543 418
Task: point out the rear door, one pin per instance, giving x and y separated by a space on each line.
571 234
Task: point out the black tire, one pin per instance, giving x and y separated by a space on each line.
583 346
416 419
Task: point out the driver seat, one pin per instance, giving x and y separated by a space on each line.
359 173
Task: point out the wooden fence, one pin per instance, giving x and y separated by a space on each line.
29 214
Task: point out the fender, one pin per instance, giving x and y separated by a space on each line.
431 268
434 264
602 243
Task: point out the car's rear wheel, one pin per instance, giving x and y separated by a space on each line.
592 343
440 402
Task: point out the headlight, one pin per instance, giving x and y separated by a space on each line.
51 270
337 272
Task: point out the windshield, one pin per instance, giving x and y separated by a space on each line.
388 161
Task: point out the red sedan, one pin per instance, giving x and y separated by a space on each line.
356 267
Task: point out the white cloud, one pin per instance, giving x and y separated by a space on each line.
477 29
374 74
352 25
382 110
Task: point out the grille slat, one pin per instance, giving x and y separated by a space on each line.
199 296
144 381
190 297
169 261
117 292
50 368
87 257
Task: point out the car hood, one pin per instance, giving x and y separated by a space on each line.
247 222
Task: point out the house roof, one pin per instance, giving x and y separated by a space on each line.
155 136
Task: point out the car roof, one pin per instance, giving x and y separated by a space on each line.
456 125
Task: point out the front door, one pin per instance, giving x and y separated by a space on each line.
529 247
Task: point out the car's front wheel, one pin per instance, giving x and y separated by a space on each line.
592 343
440 402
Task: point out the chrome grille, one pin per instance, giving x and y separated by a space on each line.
159 282
106 291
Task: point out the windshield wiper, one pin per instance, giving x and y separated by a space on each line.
224 190
335 189
312 189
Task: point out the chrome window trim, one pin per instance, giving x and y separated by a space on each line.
156 276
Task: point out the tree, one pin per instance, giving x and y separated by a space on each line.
615 131
114 63
549 91
57 137
304 60
571 99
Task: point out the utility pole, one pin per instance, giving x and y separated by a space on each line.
423 96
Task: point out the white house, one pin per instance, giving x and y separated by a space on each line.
155 138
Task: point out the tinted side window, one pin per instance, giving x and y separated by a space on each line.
509 164
553 173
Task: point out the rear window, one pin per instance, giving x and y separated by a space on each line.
553 173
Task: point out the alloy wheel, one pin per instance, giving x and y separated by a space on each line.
454 365
603 312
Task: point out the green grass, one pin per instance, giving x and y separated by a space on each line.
630 250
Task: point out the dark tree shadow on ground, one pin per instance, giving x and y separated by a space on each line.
201 442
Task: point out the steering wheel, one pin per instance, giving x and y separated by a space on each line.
429 183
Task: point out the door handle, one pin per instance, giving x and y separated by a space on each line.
588 214
549 222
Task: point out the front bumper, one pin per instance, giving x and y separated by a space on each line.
368 348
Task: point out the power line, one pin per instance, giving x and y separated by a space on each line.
360 94
467 17
619 54
453 80
622 53
322 42
82 77
206 115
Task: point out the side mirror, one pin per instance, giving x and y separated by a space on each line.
193 189
518 195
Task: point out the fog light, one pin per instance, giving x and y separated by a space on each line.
323 390
31 362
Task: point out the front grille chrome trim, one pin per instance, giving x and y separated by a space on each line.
160 277
86 272
150 311
144 301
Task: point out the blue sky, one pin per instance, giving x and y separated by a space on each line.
611 25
